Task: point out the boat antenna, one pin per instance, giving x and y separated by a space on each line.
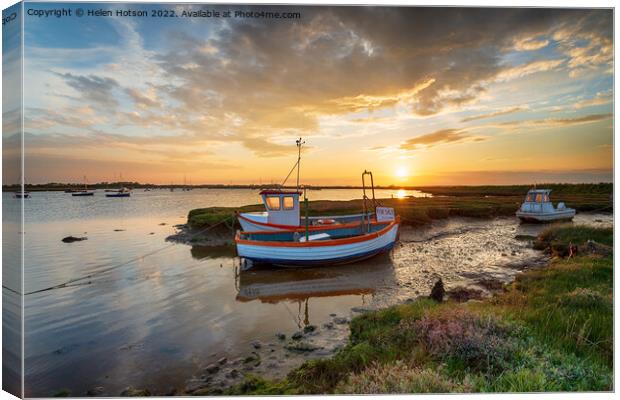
299 143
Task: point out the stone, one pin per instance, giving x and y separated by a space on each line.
71 239
212 368
297 335
328 325
280 336
222 360
309 328
256 344
341 320
438 291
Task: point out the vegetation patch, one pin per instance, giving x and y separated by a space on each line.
550 330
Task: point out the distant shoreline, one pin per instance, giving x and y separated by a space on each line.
454 190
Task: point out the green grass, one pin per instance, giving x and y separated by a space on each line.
551 330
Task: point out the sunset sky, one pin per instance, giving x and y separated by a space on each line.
419 96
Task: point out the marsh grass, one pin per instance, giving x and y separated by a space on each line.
551 330
417 211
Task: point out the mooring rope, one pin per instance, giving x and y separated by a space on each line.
69 282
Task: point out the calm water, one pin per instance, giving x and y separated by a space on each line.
153 321
148 313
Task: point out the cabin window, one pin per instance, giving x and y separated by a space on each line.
546 198
529 198
289 202
273 203
539 198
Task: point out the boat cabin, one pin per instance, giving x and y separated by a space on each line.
537 201
282 207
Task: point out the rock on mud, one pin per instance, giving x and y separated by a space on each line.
71 239
438 291
212 368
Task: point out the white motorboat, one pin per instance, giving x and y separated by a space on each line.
537 207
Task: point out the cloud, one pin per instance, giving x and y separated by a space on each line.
530 44
555 122
495 113
144 99
339 60
254 82
442 136
99 90
599 99
528 69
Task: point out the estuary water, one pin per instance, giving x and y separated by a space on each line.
126 308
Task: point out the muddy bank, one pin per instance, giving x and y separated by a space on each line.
220 235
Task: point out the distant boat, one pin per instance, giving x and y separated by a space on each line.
124 192
22 195
537 207
83 193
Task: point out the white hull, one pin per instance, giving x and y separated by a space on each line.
318 255
546 217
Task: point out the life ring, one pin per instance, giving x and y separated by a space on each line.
328 221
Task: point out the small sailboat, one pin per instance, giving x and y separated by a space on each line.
537 207
123 192
83 193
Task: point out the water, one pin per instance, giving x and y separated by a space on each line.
148 313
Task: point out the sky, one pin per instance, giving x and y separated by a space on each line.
419 96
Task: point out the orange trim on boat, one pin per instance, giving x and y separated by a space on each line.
318 243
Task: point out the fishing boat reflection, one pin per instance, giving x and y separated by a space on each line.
202 252
272 285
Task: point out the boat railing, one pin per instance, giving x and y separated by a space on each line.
369 204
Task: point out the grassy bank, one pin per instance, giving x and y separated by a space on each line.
418 211
550 330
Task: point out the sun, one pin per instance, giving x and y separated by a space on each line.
401 172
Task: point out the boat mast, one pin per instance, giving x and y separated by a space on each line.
299 142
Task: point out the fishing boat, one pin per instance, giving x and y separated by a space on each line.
325 243
327 246
21 195
84 192
123 192
538 207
